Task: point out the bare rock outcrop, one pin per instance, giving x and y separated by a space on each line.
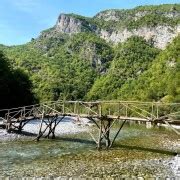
160 35
68 24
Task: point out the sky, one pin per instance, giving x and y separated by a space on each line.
21 20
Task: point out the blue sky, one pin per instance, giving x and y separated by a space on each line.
21 20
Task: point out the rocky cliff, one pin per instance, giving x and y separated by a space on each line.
154 23
160 36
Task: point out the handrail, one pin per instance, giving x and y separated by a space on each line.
92 102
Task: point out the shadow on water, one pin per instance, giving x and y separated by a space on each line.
116 146
146 149
76 140
25 133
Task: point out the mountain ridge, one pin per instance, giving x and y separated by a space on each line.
84 58
115 26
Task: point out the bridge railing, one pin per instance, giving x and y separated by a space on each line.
146 110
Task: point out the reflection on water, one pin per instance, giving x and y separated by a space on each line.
137 152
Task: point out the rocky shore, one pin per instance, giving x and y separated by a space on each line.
67 126
121 160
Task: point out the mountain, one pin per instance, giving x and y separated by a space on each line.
107 56
141 72
159 24
132 59
160 82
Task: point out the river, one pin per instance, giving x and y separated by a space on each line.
138 152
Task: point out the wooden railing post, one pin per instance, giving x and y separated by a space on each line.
127 110
119 109
75 107
157 111
152 111
63 107
8 123
100 109
24 112
54 108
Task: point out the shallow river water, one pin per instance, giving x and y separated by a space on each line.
137 152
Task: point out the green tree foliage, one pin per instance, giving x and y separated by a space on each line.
161 82
84 66
131 59
15 87
65 70
153 20
142 16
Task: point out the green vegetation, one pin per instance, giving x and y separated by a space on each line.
152 20
131 59
141 16
135 74
15 87
63 71
83 66
160 82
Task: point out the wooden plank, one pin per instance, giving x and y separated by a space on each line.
128 118
176 131
117 133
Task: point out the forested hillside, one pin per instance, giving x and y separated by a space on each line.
140 72
118 54
161 82
15 86
66 71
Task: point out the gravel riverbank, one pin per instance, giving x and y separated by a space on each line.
67 126
136 161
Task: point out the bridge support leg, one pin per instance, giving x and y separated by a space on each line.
104 133
107 133
8 127
50 126
117 133
100 135
104 126
20 127
40 130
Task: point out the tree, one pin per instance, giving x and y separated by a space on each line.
15 86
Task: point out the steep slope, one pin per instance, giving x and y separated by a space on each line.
66 69
160 24
131 60
161 82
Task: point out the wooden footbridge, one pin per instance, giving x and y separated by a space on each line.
104 114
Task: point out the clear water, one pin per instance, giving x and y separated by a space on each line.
137 152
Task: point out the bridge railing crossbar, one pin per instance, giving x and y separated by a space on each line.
146 110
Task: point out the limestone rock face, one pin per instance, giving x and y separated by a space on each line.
160 35
68 24
110 15
112 25
115 15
